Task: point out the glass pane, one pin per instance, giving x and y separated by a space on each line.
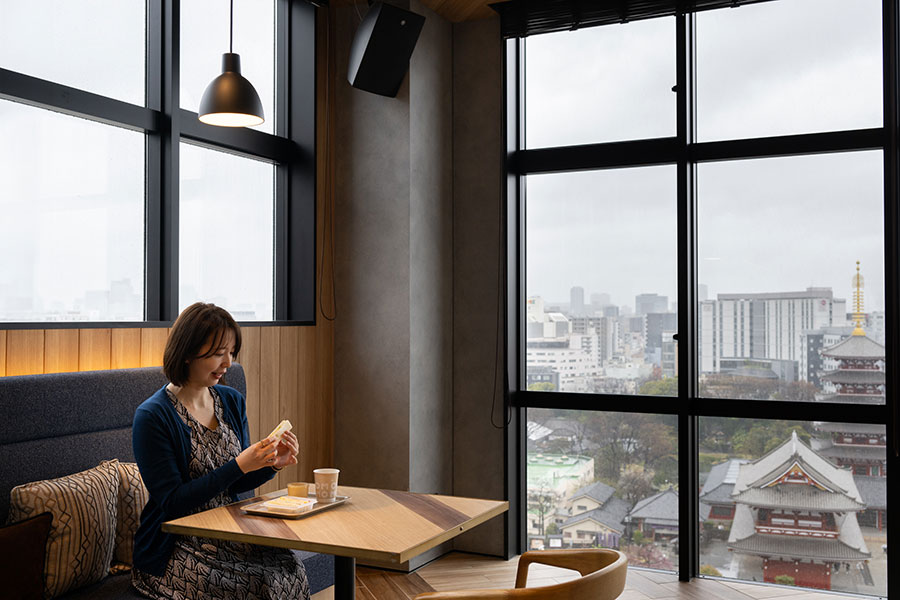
72 232
204 38
795 66
598 479
600 84
778 242
794 502
226 233
601 281
97 46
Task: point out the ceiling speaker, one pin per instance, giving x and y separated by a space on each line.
379 56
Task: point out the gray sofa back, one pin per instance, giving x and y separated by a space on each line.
58 424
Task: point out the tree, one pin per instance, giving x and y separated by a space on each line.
710 570
660 387
541 386
634 485
542 501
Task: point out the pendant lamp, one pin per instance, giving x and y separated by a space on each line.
230 100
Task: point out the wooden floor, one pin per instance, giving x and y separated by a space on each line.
458 571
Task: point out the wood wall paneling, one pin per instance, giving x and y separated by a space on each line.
60 350
249 359
24 351
153 342
2 353
125 349
288 390
269 375
94 349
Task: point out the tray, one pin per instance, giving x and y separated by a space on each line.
257 508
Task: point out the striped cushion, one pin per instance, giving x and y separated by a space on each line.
80 545
133 497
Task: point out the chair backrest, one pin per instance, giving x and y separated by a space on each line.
603 578
603 573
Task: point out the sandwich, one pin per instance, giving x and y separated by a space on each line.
280 430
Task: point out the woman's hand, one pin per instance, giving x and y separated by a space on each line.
258 455
287 450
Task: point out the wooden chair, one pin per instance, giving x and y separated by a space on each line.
602 570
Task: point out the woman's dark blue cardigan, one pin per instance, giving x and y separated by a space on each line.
162 448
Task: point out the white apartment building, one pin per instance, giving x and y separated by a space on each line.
764 325
576 359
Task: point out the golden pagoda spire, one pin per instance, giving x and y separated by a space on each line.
858 315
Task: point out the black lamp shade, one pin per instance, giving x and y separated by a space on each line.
230 100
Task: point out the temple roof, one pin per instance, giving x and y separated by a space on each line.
873 490
849 545
870 399
720 482
855 346
870 453
849 427
762 482
790 496
803 548
854 376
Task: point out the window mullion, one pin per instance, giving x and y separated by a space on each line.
688 509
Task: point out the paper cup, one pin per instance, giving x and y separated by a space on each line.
326 484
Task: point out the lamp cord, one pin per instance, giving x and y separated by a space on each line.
231 28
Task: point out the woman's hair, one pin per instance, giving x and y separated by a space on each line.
196 326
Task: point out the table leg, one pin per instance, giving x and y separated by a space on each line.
344 578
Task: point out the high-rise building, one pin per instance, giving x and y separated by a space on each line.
764 325
576 302
650 303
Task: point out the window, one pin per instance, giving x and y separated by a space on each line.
218 190
727 270
72 233
119 205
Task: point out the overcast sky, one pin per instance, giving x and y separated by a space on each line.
58 171
764 225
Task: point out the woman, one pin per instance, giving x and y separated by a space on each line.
191 443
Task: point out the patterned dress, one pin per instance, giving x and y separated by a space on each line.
202 568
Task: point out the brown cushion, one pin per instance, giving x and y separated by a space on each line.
133 497
22 571
80 544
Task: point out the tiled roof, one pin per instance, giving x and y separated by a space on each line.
598 491
792 496
661 508
609 515
873 490
855 346
853 398
848 427
795 547
762 471
848 376
720 482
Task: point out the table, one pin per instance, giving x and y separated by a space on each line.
379 525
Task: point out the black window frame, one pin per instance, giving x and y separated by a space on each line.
685 153
291 149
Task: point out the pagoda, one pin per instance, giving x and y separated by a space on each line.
797 512
859 374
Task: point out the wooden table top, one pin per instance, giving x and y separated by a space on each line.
381 525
